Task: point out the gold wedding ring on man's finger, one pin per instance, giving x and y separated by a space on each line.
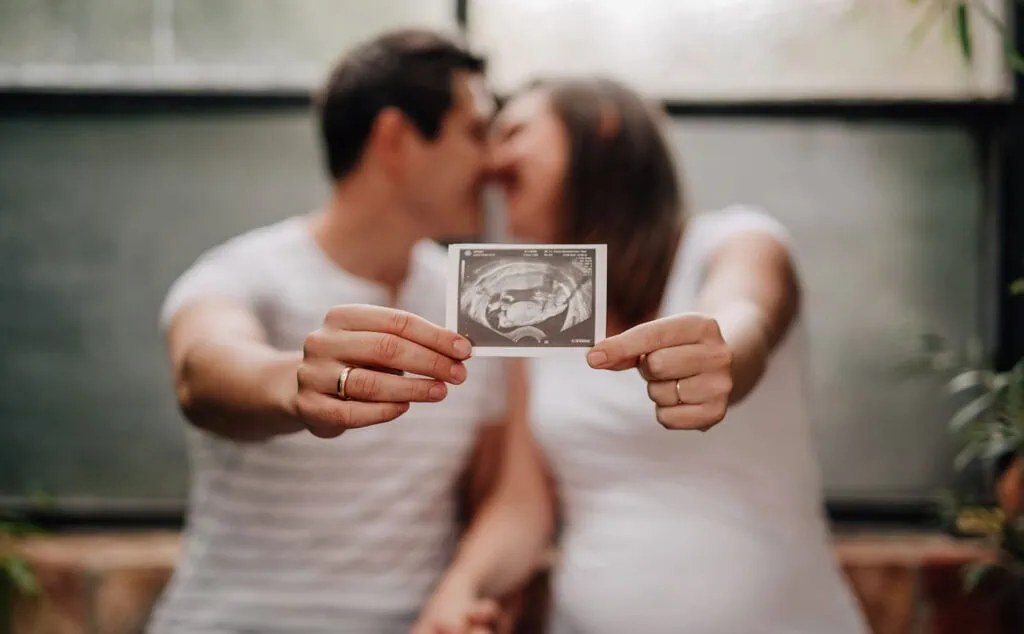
342 381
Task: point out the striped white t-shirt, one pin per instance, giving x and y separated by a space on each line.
303 534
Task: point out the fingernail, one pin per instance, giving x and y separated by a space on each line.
437 392
597 358
462 348
458 373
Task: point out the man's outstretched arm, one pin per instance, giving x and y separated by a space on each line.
227 378
230 381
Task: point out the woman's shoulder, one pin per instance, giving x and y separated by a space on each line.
709 231
711 228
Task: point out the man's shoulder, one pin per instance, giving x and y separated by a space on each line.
259 241
236 268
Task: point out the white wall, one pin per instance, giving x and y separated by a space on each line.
192 44
737 50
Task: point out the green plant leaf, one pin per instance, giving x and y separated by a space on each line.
1015 395
41 499
966 380
14 528
999 382
1000 444
972 411
1012 542
967 455
975 574
947 508
962 21
1013 57
20 574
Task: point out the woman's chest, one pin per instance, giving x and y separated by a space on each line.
599 428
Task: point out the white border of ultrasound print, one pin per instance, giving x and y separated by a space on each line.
600 298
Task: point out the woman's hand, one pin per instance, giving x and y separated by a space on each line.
686 363
455 608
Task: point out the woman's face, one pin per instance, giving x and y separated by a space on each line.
529 160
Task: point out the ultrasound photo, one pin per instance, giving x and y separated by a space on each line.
524 301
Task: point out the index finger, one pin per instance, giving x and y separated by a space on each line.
624 350
402 324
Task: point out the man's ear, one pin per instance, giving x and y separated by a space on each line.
389 137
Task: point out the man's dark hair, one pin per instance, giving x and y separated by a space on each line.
409 69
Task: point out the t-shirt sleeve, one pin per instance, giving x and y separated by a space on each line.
716 228
738 219
227 271
722 225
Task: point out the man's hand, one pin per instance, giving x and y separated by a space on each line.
352 369
686 363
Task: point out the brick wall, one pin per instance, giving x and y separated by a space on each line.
106 584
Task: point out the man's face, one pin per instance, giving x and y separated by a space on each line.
446 175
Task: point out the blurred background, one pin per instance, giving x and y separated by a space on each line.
135 134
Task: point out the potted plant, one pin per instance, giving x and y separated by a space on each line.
988 424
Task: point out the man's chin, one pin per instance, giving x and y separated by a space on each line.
458 235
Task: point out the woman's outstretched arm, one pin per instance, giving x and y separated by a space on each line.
699 364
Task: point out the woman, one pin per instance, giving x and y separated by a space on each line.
665 529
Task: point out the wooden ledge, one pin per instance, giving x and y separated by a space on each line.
106 583
102 551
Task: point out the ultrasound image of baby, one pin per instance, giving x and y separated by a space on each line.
528 301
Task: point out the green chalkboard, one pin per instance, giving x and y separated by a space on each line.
99 213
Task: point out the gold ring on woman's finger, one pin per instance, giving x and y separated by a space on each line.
342 380
679 397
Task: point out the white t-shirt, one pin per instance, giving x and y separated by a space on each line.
671 532
303 534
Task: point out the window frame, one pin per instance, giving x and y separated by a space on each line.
998 128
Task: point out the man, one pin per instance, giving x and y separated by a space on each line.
308 325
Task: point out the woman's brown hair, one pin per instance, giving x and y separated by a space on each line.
621 189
